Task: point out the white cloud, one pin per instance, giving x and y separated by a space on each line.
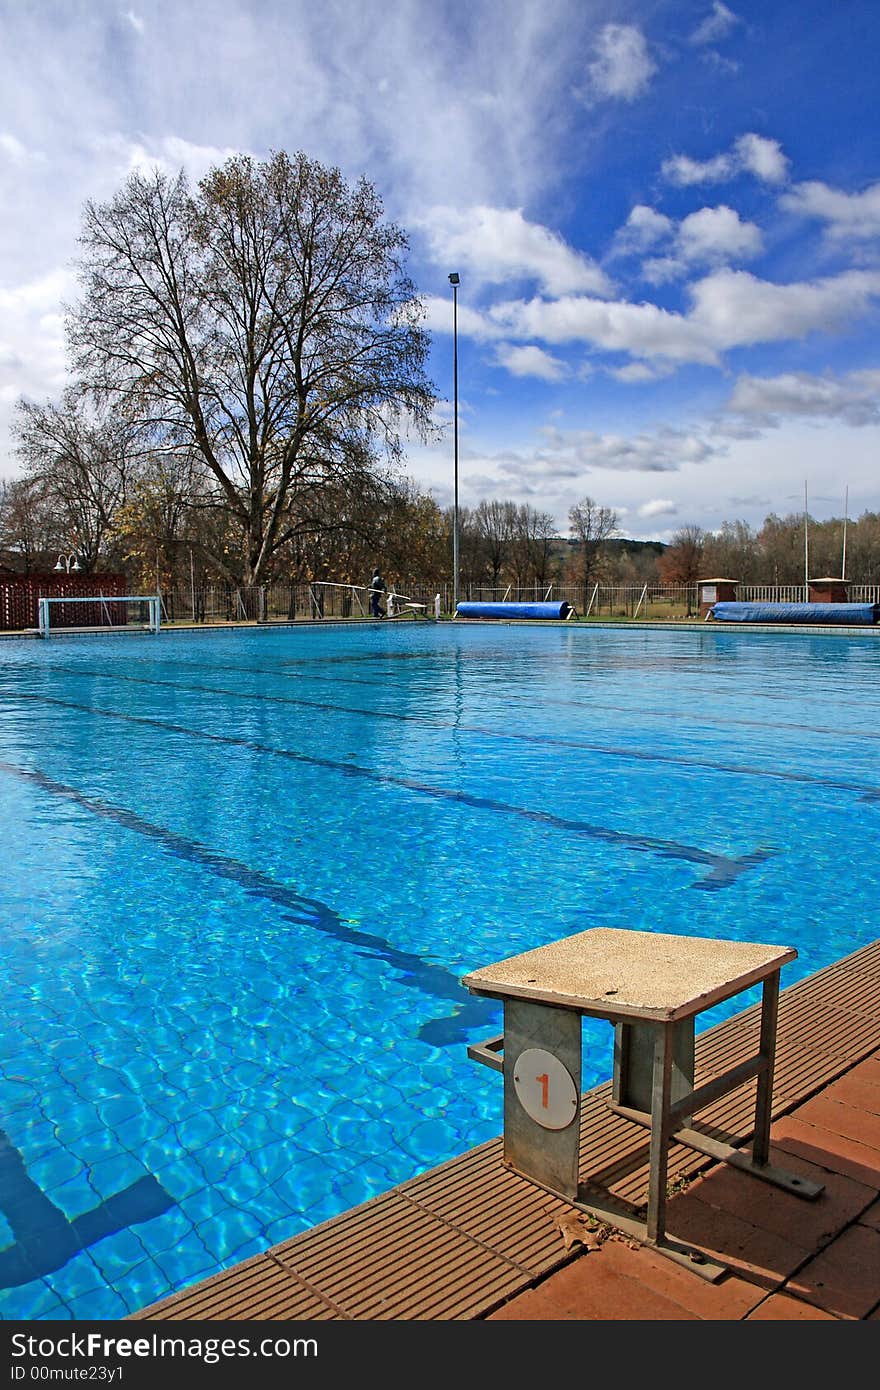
135 21
664 450
32 353
682 170
636 372
733 308
752 154
714 233
531 361
658 506
622 67
845 214
491 245
715 26
708 237
660 270
17 153
641 329
854 399
729 308
761 157
472 323
709 475
643 228
168 153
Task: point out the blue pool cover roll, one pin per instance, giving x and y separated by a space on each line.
513 610
851 614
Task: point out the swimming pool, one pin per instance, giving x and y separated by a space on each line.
245 871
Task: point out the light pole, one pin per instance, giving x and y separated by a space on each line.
67 563
454 281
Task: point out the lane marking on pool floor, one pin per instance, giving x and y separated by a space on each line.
430 979
723 869
864 791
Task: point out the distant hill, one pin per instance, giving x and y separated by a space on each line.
619 546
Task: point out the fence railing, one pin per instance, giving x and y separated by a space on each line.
326 599
266 603
799 593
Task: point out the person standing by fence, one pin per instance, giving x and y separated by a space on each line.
377 589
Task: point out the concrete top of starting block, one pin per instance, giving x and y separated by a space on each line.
611 973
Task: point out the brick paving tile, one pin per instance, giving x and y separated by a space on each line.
816 1220
848 1121
828 1150
762 1256
845 1278
781 1307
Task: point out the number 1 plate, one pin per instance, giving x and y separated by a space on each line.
545 1088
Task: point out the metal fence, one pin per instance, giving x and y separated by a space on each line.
325 599
799 593
266 603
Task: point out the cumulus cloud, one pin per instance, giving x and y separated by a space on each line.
750 154
728 309
715 26
664 450
658 506
32 323
168 153
12 149
637 372
714 232
32 351
853 399
682 170
472 323
734 308
762 157
491 245
846 215
710 236
530 361
643 229
644 330
622 67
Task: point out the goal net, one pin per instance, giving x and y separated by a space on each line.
97 613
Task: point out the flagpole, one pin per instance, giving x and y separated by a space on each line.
806 548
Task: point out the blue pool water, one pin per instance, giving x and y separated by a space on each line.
245 871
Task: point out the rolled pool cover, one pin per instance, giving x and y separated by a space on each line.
514 610
849 614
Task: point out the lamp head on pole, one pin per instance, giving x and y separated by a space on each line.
454 279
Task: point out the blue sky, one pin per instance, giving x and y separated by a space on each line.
665 217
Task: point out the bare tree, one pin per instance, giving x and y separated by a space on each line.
591 527
265 321
682 562
532 546
82 461
472 551
28 524
732 552
495 522
167 520
781 542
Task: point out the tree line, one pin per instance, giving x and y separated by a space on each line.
247 364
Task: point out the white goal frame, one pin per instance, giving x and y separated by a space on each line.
152 624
